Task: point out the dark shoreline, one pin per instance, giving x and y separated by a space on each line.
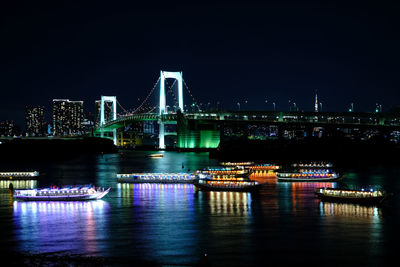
342 152
52 149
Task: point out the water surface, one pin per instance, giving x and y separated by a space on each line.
176 224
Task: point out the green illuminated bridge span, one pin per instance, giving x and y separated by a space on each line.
204 129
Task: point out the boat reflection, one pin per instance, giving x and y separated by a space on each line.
158 192
229 203
346 209
49 226
296 186
299 196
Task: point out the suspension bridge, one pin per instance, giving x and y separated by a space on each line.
203 129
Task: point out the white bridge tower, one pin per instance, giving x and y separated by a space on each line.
178 77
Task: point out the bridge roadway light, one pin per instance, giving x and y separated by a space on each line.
377 108
351 109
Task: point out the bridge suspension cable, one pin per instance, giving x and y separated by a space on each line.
119 104
147 97
151 110
190 93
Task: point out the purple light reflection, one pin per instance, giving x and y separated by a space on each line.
164 219
61 226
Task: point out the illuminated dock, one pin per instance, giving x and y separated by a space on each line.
18 184
18 180
164 178
16 175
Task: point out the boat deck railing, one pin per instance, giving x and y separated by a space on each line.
350 193
160 176
306 175
230 183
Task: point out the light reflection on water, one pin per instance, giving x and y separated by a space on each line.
350 210
164 220
58 226
230 203
176 223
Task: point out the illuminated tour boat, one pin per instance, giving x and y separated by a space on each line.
18 175
261 169
238 184
166 178
313 165
245 163
61 194
362 196
308 175
158 155
264 167
238 171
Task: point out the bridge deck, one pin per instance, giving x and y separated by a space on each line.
321 118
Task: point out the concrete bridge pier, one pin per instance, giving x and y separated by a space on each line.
161 135
114 136
121 139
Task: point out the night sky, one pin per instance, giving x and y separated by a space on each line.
229 51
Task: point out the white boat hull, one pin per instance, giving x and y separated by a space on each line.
97 195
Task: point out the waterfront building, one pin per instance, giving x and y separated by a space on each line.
34 116
67 117
87 125
7 128
76 117
149 127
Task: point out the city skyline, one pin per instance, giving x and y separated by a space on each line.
92 116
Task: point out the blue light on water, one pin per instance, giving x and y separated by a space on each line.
49 226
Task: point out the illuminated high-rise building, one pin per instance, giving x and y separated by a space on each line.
67 117
34 117
76 117
316 102
7 128
60 115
